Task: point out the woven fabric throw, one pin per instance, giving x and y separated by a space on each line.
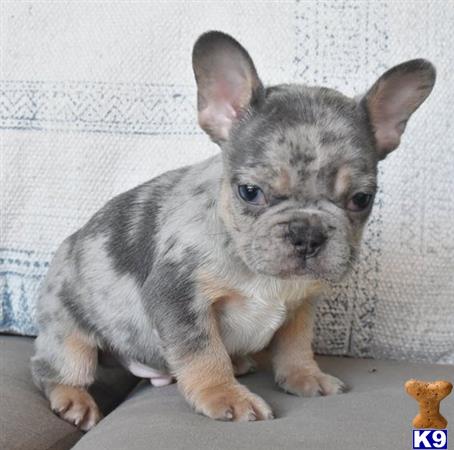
97 97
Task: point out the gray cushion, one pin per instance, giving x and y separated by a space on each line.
26 422
375 414
25 418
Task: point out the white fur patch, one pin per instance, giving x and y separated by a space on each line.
248 326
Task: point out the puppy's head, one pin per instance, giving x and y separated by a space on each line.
300 163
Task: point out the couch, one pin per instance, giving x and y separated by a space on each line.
375 413
98 97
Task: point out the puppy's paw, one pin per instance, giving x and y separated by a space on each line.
310 384
232 402
75 405
242 365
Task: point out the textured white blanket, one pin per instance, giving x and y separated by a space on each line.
96 97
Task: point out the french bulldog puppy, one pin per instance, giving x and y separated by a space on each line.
187 274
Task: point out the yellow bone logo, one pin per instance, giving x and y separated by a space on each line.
429 395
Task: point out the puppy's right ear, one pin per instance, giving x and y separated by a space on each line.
227 83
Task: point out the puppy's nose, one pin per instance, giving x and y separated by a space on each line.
306 237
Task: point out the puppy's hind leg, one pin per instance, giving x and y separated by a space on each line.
64 367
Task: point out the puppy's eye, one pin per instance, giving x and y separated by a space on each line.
359 202
251 194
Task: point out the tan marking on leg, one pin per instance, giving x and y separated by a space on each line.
295 369
298 328
207 381
81 359
75 405
208 367
209 385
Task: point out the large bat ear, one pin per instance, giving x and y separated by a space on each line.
227 83
395 96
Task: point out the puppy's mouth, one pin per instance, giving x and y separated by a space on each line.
294 265
306 272
312 264
303 269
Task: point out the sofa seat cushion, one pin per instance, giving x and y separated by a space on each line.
26 421
376 413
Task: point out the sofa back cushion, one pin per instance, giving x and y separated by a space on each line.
96 99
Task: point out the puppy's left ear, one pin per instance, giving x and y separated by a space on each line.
395 96
227 83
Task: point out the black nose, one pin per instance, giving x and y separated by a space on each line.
306 237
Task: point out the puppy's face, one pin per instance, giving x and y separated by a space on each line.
300 163
300 182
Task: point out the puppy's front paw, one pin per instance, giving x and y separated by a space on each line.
310 383
75 405
232 402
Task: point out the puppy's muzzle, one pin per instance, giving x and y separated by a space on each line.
307 236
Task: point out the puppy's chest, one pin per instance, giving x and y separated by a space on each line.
248 321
